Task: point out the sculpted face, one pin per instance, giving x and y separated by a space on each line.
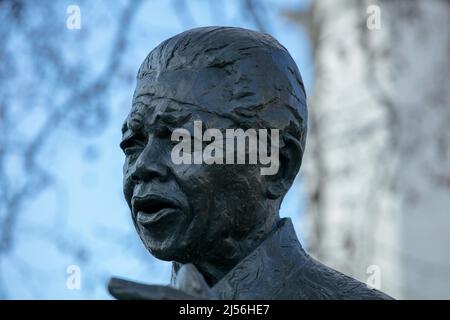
211 215
184 212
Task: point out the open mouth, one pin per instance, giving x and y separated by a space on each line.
151 209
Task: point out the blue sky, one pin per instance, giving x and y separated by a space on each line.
86 203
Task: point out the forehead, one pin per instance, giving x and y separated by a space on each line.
176 85
221 87
176 94
148 111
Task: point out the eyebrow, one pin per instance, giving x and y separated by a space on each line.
173 119
144 95
170 119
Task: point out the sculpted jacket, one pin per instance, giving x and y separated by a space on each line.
280 269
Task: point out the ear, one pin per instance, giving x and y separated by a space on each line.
291 155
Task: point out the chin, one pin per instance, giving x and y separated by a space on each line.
172 248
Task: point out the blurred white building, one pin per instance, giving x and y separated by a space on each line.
377 159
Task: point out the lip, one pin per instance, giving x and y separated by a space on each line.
152 208
146 219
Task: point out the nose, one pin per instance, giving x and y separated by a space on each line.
148 166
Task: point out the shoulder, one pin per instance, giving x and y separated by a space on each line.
317 281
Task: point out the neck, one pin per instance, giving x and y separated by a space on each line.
226 255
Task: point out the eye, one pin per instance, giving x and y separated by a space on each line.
163 132
133 144
131 150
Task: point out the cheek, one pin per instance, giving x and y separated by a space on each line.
231 190
228 193
197 182
241 194
204 181
239 180
202 184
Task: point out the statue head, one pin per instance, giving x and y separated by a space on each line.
211 78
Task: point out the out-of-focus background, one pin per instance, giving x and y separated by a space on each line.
373 196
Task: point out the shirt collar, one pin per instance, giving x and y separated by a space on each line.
260 275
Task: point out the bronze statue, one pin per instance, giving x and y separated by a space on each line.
218 221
